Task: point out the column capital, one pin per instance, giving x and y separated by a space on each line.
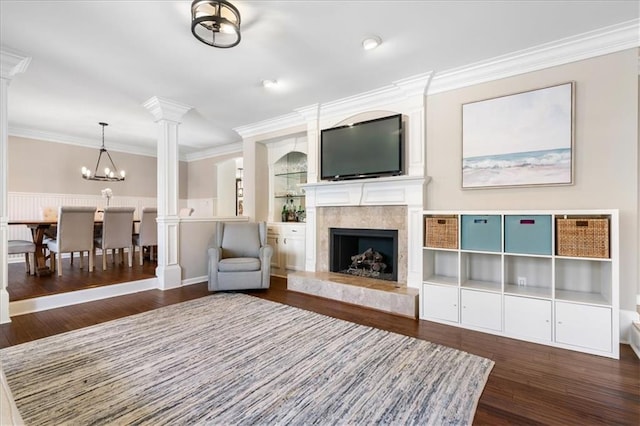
165 109
12 63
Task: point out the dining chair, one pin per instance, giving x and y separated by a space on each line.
26 247
74 233
117 227
147 235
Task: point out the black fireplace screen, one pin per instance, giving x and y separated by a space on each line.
369 253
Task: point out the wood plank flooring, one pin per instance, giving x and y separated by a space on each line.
530 384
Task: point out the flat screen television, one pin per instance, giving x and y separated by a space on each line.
372 148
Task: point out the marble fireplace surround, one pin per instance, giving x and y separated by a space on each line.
362 217
381 203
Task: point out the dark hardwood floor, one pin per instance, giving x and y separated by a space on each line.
530 384
24 286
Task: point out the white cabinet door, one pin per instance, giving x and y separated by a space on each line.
440 302
527 318
583 325
292 246
274 239
482 309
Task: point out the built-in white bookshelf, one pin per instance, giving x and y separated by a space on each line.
522 275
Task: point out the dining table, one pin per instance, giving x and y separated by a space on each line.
38 229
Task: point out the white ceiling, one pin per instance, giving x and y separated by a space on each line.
101 60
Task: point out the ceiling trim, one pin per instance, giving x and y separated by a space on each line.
273 124
12 62
230 148
165 109
407 88
87 143
587 45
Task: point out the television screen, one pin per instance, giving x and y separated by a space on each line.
367 149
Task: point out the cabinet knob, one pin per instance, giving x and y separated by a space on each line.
559 322
454 305
294 230
285 241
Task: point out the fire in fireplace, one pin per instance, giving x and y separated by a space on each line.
369 253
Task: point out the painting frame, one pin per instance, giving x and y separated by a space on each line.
523 139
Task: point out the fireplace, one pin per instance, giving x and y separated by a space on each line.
371 253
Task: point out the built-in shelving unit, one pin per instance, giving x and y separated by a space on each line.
522 275
289 173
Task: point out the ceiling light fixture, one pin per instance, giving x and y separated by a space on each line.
371 42
269 83
110 174
215 22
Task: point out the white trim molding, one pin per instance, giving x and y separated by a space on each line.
600 42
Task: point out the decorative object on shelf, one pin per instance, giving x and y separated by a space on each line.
107 193
215 23
441 231
110 174
520 139
583 237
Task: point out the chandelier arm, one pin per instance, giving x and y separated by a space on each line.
115 169
96 170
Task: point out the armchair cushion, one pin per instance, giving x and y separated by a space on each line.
239 264
240 240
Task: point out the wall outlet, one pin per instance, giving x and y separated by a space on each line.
522 280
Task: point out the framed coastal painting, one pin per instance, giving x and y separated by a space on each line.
522 139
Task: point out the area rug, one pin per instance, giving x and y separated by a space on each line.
237 359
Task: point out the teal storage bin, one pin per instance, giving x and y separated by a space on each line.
481 233
527 234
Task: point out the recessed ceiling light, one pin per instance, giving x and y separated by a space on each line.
269 83
371 42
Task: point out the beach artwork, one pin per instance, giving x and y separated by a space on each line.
521 139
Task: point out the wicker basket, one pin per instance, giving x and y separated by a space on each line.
582 237
441 232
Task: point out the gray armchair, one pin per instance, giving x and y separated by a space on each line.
239 256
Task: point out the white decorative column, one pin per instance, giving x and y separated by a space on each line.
168 114
11 64
311 116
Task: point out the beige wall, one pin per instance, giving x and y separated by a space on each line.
40 166
202 177
605 152
61 164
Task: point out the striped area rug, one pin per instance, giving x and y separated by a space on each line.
236 359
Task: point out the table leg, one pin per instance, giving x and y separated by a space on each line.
40 259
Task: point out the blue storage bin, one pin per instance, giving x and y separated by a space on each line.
481 233
527 234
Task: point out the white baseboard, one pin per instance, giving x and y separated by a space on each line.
53 301
195 280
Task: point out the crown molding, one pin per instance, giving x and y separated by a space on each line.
413 87
271 125
87 143
587 45
230 148
12 62
166 109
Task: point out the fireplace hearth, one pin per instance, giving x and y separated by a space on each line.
371 253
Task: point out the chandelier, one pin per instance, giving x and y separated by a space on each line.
215 22
110 174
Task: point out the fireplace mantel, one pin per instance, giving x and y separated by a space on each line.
373 195
383 191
